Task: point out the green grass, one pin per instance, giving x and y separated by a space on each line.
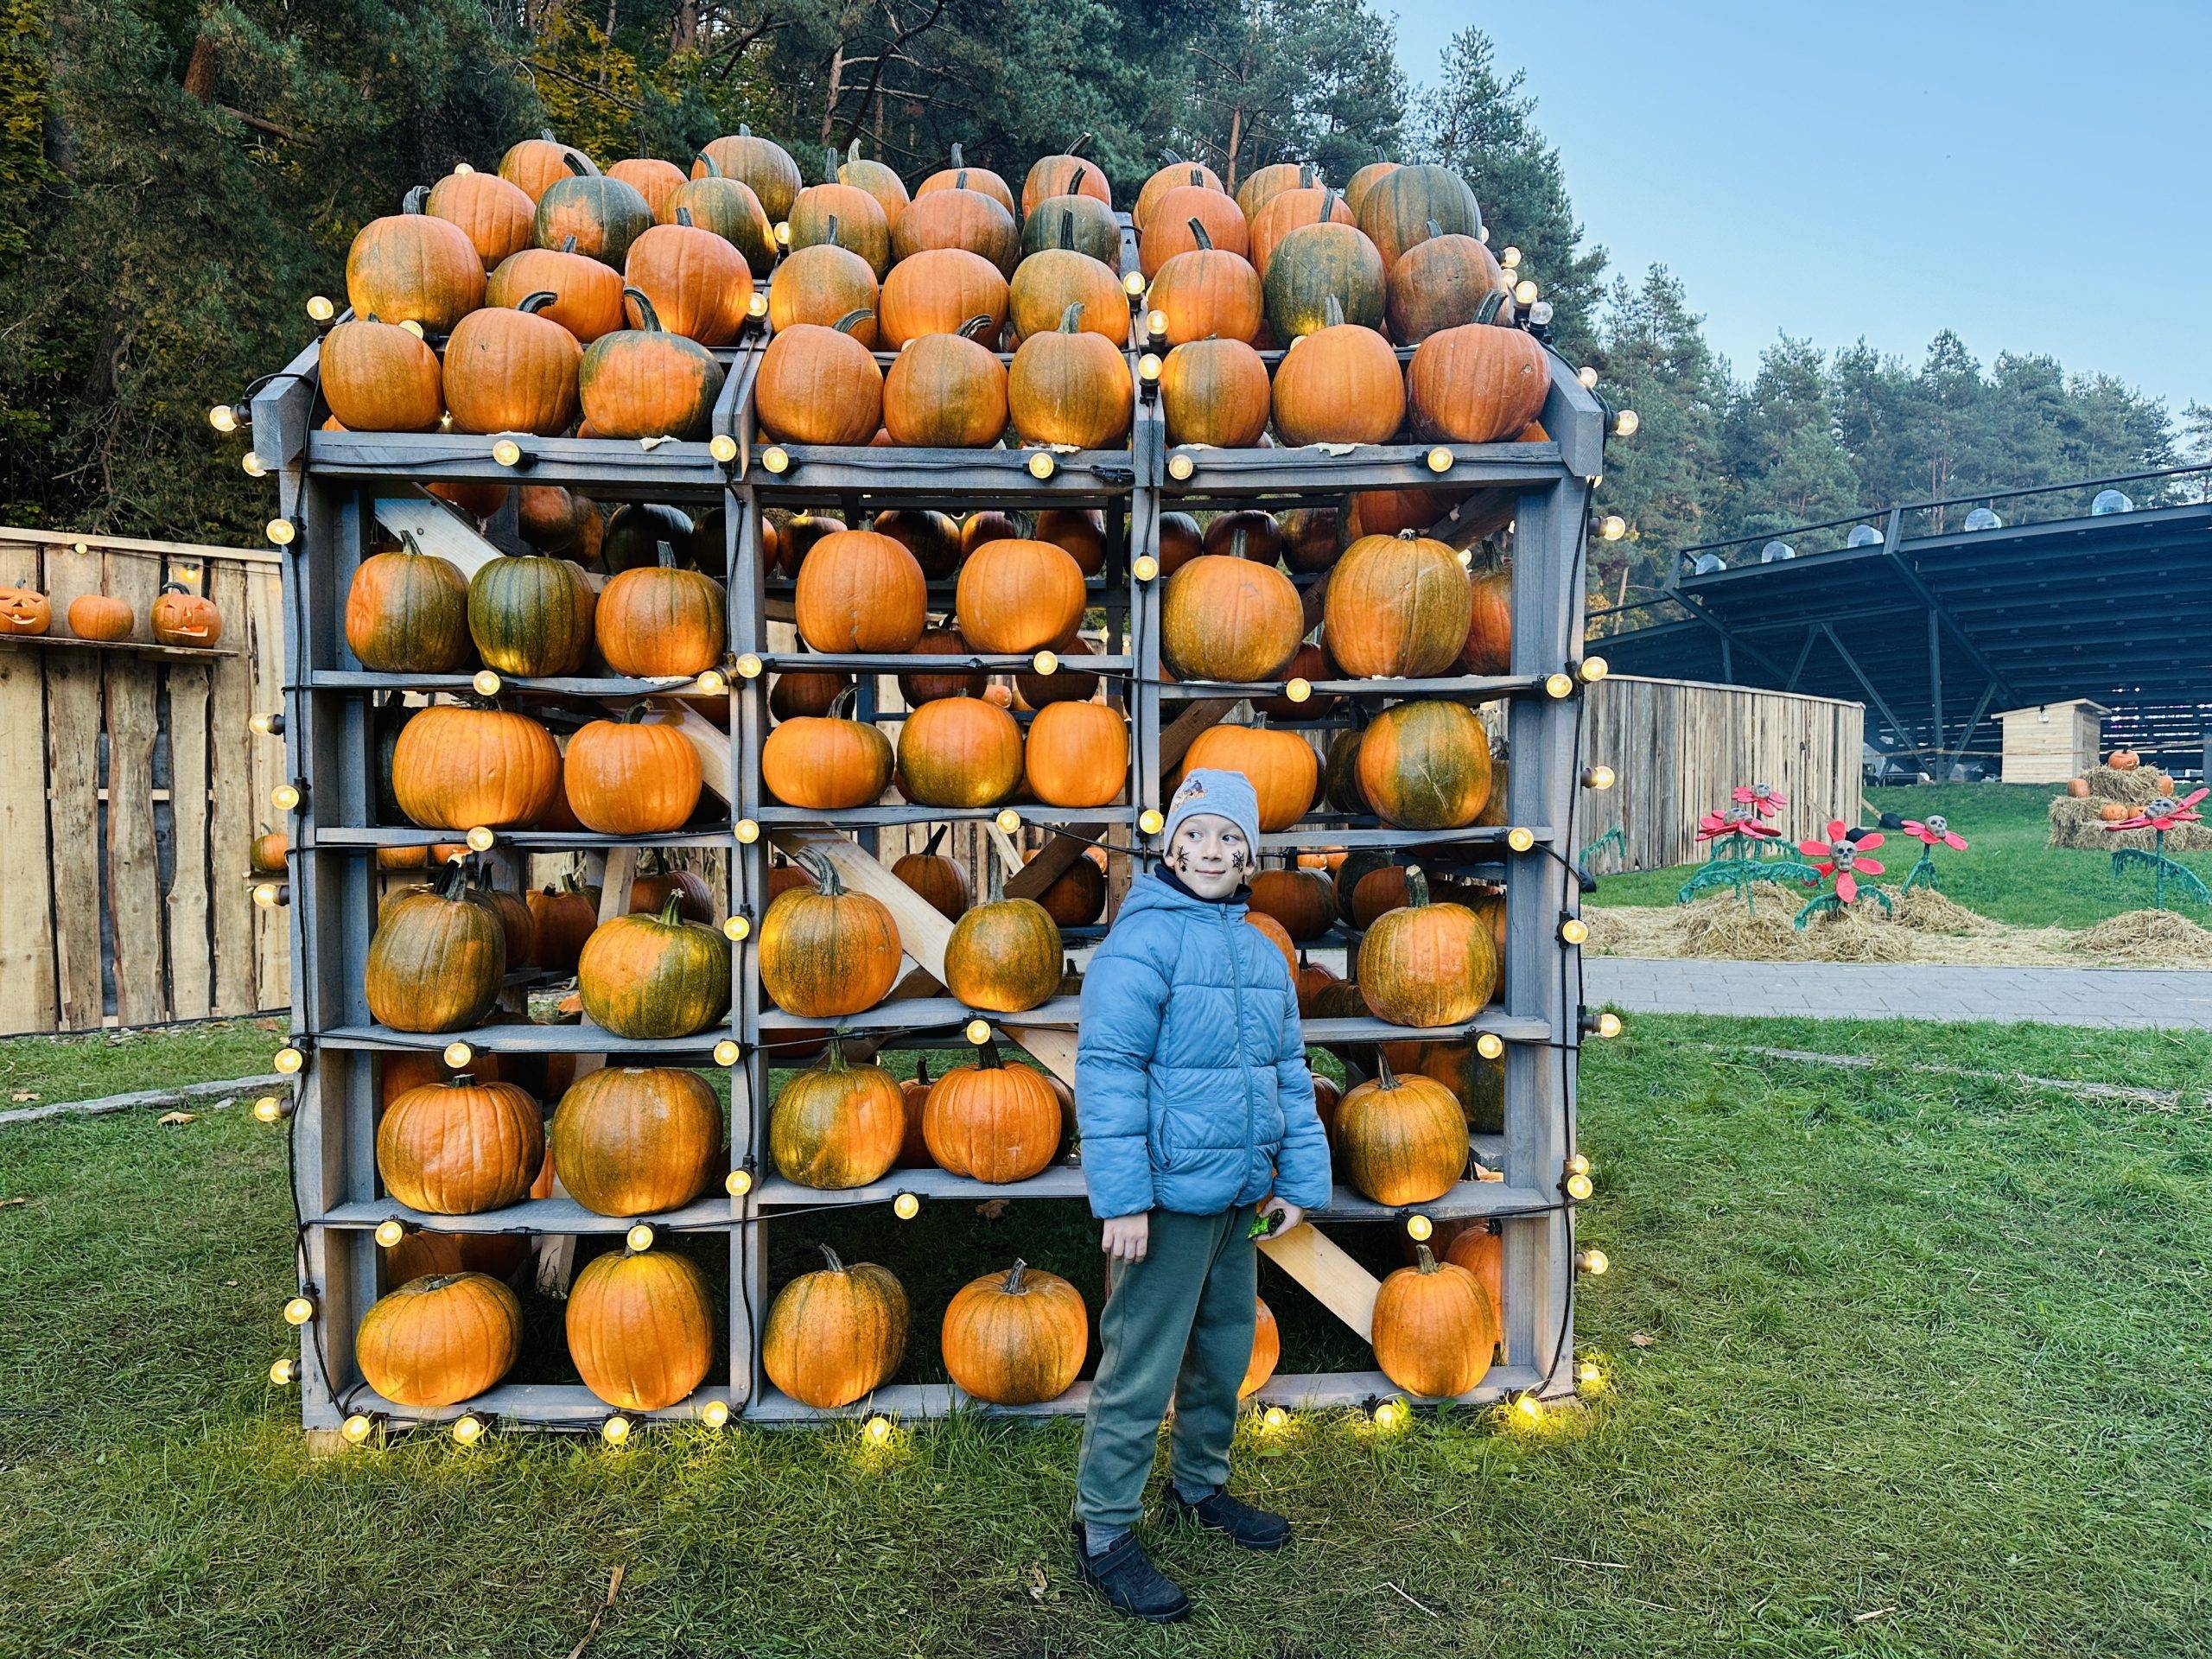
38 1069
2006 873
1925 1376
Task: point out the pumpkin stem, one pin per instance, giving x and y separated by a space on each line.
1385 1079
853 154
535 303
453 882
1416 886
568 245
744 130
843 700
1490 305
684 216
936 838
1067 228
649 319
836 1060
1198 177
960 180
1329 200
671 914
1071 319
922 1069
1014 1286
576 164
975 328
408 544
1427 1258
1435 228
830 1257
413 200
1332 313
1074 183
851 320
956 162
1198 234
1305 176
712 166
637 711
829 164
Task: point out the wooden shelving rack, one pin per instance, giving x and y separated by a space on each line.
334 486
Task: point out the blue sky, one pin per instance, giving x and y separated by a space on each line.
2030 174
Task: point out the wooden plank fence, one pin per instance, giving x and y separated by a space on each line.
1680 747
131 789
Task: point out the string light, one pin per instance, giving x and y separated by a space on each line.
1419 1227
282 531
727 1054
299 1311
723 448
1144 567
287 1060
252 462
1591 669
738 928
1599 777
776 458
638 1239
507 453
1148 368
1044 662
747 831
1626 422
286 797
1527 1406
1490 1045
1593 1262
1588 377
1510 259
1132 285
1590 1377
224 418
1613 527
710 684
284 1372
1608 1024
1150 822
468 1429
1180 467
979 1031
749 666
1273 1417
411 327
1576 1163
715 1413
272 1109
615 1431
480 839
1390 1414
1520 839
1041 464
756 307
1574 930
320 309
1559 686
1524 292
740 1183
907 1206
1578 1187
878 1429
1439 459
1155 323
783 233
390 1233
486 682
458 1055
272 725
1298 689
1008 821
271 894
358 1427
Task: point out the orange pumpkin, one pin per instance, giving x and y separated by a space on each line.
1425 765
461 1147
95 616
646 382
179 617
1077 754
1267 1351
1263 183
936 877
379 377
1338 384
837 1125
651 177
829 763
958 175
654 978
495 214
1476 383
1017 595
24 611
1401 1139
1050 279
439 1339
534 163
630 777
1435 1328
437 958
1214 392
512 371
1300 902
765 167
2076 787
1076 897
991 1122
586 294
827 952
932 537
1440 283
859 591
1230 619
1488 649
819 384
822 284
844 214
1206 293
564 917
1004 956
1282 768
414 267
406 612
657 620
946 392
641 1328
1169 177
1427 964
1063 175
962 751
1069 386
697 284
2123 760
1016 1339
1188 216
1396 607
941 291
836 1334
1287 210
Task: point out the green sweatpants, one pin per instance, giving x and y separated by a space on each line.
1177 1324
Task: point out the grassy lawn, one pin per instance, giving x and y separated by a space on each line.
1924 1373
2007 873
38 1069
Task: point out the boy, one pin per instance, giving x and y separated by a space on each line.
1195 1102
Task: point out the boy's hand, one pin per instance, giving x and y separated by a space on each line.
1292 1214
1125 1236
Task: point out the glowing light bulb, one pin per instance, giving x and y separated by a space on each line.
265 894
299 1310
1008 820
1559 686
1490 1045
757 305
878 1430
457 1055
1439 460
1599 777
1626 422
265 724
1578 1187
1144 567
906 1207
411 327
727 1053
223 418
1528 1408
1390 1414
1575 930
740 1183
1593 1262
1608 1024
480 839
1041 464
1150 822
462 167
710 684
715 1413
639 1239
1133 284
1419 1227
1524 292
320 309
507 453
783 233
1590 1377
1592 670
1520 840
1298 689
776 458
615 1431
723 448
747 831
284 1372
358 1427
1613 527
1588 377
270 1108
285 797
1510 259
288 1060
1576 1163
252 464
282 531
1180 465
468 1429
749 667
1045 662
738 928
1149 367
979 1031
390 1232
1273 1417
1155 323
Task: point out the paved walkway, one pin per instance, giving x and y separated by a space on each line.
2062 997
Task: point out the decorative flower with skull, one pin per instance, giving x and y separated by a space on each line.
2163 814
1935 832
1843 859
1763 798
1721 825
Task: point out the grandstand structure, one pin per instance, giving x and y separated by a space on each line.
1939 615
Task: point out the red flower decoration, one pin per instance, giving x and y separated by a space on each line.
1842 859
1937 833
1718 825
1763 798
2164 815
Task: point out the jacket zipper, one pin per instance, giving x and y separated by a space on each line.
1244 1068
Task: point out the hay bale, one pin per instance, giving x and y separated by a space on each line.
2161 937
2079 824
2135 786
1858 932
1926 911
1724 929
1634 930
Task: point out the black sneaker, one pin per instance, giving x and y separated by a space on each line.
1124 1574
1244 1526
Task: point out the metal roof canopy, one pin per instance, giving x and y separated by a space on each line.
1933 632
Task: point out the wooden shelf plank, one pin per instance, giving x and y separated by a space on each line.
118 647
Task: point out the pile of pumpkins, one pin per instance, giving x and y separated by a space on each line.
179 617
573 300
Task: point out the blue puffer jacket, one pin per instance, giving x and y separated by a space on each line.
1191 1087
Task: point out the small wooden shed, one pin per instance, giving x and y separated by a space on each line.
2052 741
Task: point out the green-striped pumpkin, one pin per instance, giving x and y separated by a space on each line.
407 612
654 977
1315 263
531 615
